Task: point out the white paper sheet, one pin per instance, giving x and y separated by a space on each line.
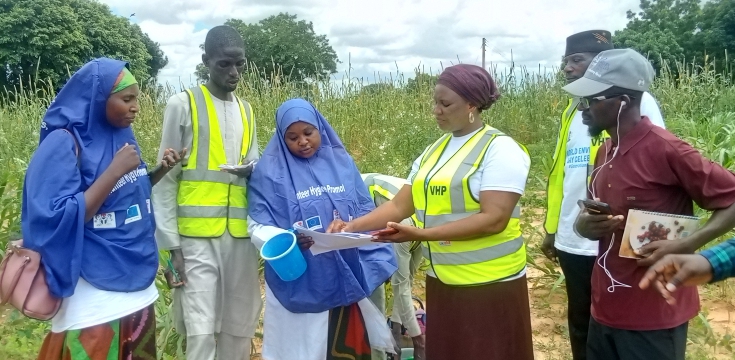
324 242
251 164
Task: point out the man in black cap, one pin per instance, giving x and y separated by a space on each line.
575 152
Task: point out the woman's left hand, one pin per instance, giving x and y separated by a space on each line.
405 233
171 157
305 242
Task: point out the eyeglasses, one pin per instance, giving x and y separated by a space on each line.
586 102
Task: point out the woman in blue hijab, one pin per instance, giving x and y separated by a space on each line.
306 176
86 210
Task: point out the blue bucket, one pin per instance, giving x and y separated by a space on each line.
283 254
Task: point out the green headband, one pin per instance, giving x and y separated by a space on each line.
124 80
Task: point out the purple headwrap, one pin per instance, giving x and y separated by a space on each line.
472 83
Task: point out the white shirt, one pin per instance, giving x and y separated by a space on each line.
575 160
504 168
90 306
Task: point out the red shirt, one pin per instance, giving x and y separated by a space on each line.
655 171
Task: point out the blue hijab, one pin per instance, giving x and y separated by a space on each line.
329 186
115 251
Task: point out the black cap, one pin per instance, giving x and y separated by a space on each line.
593 41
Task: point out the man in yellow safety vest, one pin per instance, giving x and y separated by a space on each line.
575 152
201 211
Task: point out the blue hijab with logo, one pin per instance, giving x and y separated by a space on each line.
115 252
332 279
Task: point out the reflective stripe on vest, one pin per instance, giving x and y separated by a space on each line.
387 187
555 186
211 201
445 197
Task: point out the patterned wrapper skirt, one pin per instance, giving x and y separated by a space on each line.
130 338
348 337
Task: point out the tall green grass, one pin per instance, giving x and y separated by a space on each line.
384 131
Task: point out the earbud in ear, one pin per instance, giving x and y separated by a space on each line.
622 103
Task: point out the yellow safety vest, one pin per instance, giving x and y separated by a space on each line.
387 187
446 197
555 186
211 201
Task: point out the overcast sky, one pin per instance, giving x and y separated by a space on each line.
382 35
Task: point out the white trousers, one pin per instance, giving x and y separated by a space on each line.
303 336
219 307
378 298
401 283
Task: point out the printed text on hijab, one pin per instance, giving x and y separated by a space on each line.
319 190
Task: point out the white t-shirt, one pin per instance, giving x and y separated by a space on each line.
575 179
504 168
90 306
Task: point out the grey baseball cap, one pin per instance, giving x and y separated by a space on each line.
625 68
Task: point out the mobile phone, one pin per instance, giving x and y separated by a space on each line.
596 207
384 232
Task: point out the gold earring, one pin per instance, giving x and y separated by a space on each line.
472 118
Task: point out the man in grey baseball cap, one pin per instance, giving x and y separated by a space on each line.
567 183
641 167
625 68
612 73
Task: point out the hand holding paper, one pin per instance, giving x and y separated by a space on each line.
325 242
240 170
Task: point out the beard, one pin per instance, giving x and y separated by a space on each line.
594 131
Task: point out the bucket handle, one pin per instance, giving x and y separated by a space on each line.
295 233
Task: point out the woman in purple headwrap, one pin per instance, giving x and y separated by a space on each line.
465 191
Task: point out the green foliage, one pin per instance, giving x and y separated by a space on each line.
20 337
718 28
672 30
384 130
375 88
158 60
421 80
659 46
282 44
50 39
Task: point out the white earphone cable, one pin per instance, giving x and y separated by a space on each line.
591 189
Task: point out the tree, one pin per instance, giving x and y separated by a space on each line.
158 60
659 46
376 88
50 39
674 30
718 29
421 81
282 42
